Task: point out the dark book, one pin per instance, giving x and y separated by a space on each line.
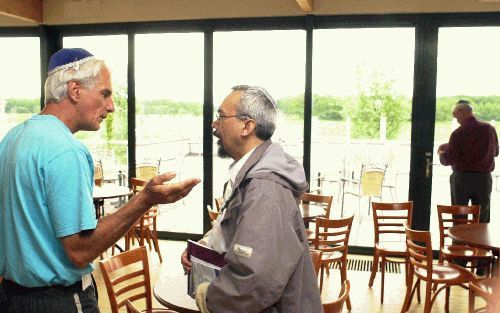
206 265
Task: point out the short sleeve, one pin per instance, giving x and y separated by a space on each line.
68 185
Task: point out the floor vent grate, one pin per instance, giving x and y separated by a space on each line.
362 265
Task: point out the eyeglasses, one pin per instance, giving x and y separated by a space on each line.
219 117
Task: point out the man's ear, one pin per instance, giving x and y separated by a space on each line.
74 89
248 128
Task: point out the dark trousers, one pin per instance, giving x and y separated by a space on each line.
18 299
474 187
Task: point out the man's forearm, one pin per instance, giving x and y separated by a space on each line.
84 247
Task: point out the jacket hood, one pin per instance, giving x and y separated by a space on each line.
269 161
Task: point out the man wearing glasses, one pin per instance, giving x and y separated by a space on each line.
269 268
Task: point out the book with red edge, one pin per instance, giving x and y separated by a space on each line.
206 265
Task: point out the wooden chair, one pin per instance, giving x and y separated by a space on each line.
337 305
132 309
486 288
388 223
218 203
212 214
369 184
450 215
127 277
99 181
316 259
146 227
324 201
332 238
422 266
146 171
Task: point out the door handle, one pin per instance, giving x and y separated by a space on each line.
428 164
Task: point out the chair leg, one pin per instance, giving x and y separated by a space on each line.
154 236
321 278
408 295
374 268
343 277
472 299
428 292
382 275
447 301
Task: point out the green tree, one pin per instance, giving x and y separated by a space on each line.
377 100
22 105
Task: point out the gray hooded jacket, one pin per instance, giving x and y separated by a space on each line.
269 268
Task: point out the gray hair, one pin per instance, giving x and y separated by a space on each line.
257 104
464 106
56 84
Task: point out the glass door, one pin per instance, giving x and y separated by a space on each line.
270 59
468 67
169 118
361 119
19 94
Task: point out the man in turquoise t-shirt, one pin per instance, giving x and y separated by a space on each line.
50 235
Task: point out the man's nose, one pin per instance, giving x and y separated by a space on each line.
110 106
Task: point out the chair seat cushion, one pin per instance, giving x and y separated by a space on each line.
445 273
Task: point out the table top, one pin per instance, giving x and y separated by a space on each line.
172 292
311 211
482 235
108 191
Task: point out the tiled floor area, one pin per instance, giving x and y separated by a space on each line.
363 298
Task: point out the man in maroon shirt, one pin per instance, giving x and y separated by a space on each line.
471 153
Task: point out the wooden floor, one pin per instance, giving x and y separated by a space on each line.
363 298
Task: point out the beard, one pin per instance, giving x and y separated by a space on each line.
221 152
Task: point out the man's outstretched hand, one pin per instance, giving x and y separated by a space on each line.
158 191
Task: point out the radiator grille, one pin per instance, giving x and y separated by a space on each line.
363 265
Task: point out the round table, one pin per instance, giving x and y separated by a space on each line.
481 235
108 191
172 293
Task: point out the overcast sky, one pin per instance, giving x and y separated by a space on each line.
171 65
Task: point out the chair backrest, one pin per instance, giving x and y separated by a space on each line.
126 276
450 215
324 201
337 305
419 247
98 173
218 203
146 171
389 220
371 179
333 235
212 213
316 259
136 185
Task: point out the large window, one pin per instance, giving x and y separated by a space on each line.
274 60
109 144
169 118
468 67
19 81
362 90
